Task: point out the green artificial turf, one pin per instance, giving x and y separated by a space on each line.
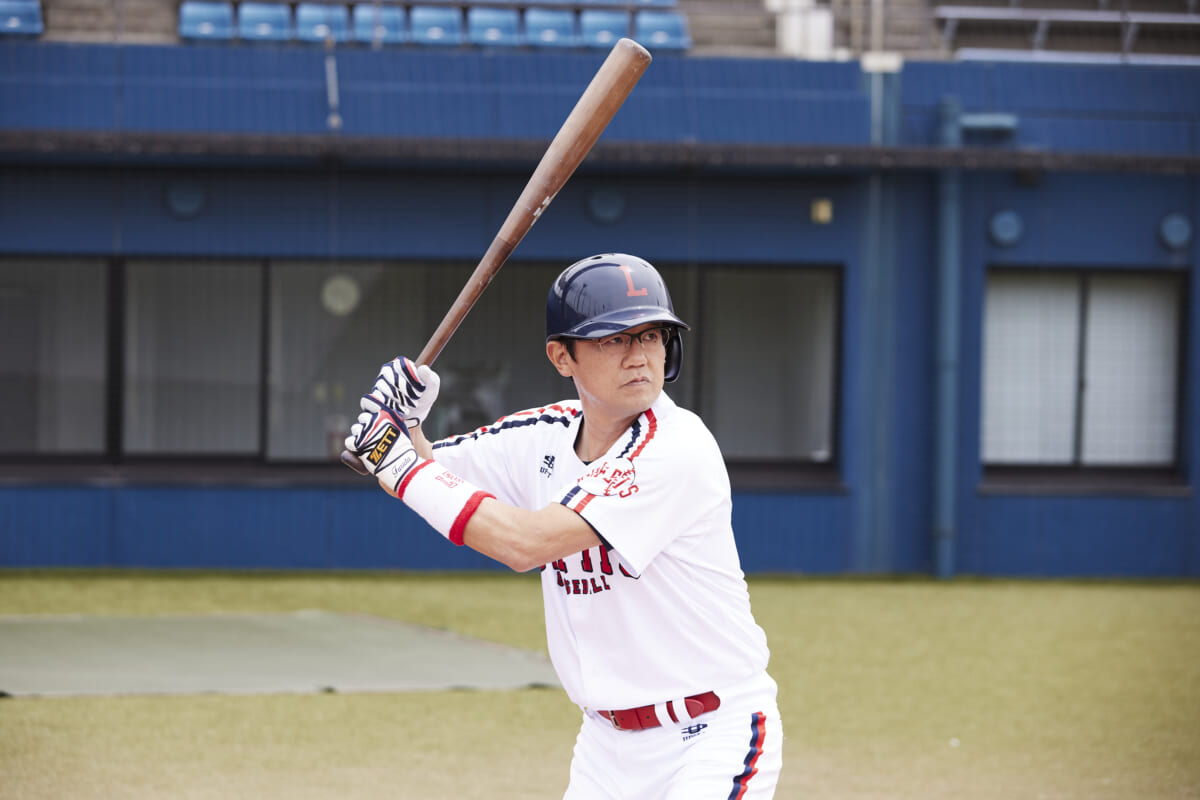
888 689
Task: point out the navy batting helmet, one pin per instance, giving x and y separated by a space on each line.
610 293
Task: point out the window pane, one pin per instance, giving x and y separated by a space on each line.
192 358
333 325
1031 347
53 320
496 363
769 333
1132 356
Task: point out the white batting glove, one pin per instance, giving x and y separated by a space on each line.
380 441
406 388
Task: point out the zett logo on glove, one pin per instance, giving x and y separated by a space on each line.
377 455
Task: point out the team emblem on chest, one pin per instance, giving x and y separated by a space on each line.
612 477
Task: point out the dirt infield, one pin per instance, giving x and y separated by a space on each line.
889 689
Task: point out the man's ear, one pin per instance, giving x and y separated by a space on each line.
560 357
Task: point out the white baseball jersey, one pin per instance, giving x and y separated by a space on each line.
665 612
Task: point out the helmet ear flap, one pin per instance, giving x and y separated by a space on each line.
674 357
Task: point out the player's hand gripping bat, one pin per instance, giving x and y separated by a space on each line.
596 107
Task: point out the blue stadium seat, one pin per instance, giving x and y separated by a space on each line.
201 19
662 30
550 27
374 22
599 27
265 22
655 3
494 27
21 18
317 22
436 25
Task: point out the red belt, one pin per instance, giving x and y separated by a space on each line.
636 719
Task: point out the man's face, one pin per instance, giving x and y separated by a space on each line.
620 375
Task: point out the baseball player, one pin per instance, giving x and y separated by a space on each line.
622 500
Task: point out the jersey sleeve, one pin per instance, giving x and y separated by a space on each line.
661 486
495 457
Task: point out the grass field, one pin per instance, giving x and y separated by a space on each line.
888 689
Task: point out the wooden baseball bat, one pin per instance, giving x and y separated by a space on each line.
595 109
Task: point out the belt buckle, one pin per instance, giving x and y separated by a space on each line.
612 717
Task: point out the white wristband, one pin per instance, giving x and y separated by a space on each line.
443 499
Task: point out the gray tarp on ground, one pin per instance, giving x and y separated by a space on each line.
306 651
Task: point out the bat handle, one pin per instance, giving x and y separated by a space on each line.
353 463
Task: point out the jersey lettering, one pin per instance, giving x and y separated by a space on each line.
633 292
587 584
583 585
605 564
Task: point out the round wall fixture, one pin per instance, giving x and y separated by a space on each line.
1175 231
606 204
185 199
340 294
1005 228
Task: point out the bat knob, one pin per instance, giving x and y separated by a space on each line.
353 463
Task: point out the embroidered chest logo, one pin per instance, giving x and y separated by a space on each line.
613 477
547 466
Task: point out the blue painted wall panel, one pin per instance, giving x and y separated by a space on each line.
70 211
293 213
527 95
1047 132
1119 90
1099 536
1060 107
55 527
1057 88
1080 219
168 527
314 528
68 87
792 533
1190 436
913 395
87 105
461 94
1128 135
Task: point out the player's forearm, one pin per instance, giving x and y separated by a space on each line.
523 540
399 456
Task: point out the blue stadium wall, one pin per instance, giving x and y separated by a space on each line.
881 517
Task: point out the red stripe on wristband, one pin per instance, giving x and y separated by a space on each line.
460 522
408 478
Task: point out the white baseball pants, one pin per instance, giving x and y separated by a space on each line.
733 753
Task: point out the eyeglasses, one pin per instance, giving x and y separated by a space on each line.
618 344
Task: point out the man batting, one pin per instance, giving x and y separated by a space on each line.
622 499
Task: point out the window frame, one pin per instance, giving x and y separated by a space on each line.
1079 476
